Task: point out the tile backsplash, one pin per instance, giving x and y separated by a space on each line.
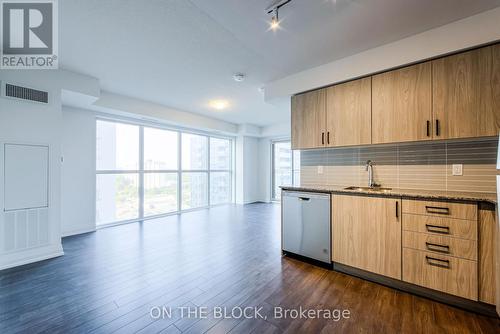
424 165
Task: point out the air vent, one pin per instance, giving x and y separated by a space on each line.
24 93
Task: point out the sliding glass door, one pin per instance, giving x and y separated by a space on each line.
143 172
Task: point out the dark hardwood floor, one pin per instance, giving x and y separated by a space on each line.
228 256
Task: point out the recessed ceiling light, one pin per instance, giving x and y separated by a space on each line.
218 104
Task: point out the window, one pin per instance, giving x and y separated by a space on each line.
117 146
144 172
194 171
286 167
161 167
194 152
220 171
194 190
117 164
160 149
160 193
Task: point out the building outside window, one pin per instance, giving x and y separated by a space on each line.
285 167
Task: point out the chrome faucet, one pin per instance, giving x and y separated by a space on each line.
369 169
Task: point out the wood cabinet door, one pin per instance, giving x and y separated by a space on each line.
401 105
349 114
308 120
466 94
367 233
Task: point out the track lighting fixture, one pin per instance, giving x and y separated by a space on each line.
273 11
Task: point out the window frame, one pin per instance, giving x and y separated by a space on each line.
141 172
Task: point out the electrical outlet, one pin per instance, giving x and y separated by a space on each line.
320 169
457 170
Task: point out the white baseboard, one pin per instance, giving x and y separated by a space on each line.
29 256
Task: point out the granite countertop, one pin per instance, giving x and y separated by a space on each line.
410 193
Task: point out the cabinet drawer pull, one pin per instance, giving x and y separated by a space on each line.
437 229
304 199
322 138
397 209
437 262
328 137
437 248
437 209
428 128
437 128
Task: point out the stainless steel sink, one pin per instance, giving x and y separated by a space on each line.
374 189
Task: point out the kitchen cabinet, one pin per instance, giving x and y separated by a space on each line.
348 113
308 120
366 233
466 94
440 247
487 253
441 272
402 105
456 96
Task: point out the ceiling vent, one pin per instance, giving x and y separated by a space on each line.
24 93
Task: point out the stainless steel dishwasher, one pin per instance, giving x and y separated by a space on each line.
306 225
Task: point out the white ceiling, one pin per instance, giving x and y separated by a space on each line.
183 53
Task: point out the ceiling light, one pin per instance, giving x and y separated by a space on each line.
218 104
275 21
273 12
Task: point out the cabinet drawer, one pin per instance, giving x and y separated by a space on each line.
457 228
439 272
441 209
442 245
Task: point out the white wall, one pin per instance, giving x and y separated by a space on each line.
78 171
264 159
253 169
248 185
32 123
469 32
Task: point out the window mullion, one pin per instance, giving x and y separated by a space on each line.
209 199
179 172
141 172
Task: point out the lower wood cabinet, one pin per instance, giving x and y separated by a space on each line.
440 246
444 246
367 233
448 274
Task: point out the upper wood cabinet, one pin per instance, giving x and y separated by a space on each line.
466 94
366 233
456 96
308 120
401 105
348 113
